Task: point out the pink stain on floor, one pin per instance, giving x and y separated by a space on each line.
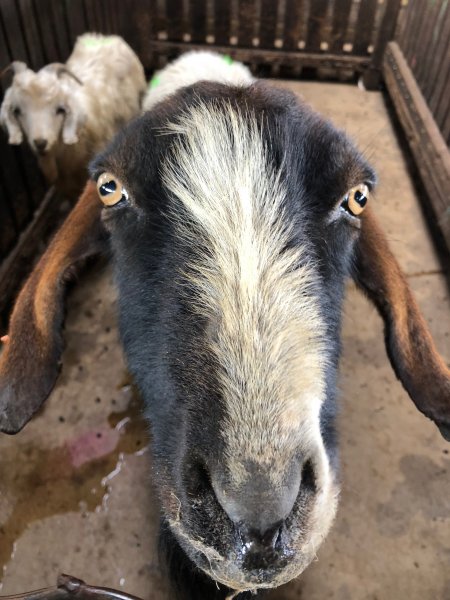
92 445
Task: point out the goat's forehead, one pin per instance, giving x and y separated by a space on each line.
307 142
37 87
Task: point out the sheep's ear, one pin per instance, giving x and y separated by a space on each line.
30 361
73 120
16 67
411 350
15 135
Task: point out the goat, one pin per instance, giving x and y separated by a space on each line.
68 112
235 215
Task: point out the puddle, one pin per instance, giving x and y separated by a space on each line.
72 478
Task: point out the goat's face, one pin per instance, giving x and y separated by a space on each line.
41 107
233 232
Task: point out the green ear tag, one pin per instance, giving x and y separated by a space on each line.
228 59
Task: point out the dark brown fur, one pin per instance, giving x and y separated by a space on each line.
410 347
29 364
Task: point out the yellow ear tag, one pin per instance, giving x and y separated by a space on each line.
110 190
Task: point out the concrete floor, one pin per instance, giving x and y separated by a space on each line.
76 485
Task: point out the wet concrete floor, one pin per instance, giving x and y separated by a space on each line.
76 491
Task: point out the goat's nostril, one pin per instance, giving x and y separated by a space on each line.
255 540
40 144
197 479
308 480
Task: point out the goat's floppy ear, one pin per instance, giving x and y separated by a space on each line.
411 350
29 363
15 135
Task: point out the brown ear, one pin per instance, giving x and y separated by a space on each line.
411 350
29 363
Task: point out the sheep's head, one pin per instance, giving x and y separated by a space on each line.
43 107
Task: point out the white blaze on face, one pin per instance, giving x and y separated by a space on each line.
258 291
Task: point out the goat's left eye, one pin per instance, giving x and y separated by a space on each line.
110 190
60 110
355 200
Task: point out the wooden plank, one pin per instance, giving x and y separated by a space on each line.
35 53
45 27
275 57
21 259
293 23
76 20
432 82
13 33
247 17
13 176
144 26
425 140
364 26
386 32
268 24
175 24
60 29
222 22
427 40
442 106
12 171
316 25
8 228
91 15
341 15
197 21
409 46
445 128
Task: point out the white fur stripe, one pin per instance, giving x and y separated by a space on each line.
259 295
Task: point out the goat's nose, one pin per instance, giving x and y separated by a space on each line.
258 506
40 144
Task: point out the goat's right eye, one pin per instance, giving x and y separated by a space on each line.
17 112
110 189
354 202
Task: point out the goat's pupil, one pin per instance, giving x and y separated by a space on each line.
108 188
360 199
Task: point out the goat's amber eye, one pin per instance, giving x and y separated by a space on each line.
355 200
110 190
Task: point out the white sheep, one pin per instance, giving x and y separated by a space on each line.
192 67
67 112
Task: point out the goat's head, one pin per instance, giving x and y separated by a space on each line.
44 107
235 216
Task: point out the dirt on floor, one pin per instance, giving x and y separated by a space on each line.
76 492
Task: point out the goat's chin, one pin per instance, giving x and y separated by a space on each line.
300 549
229 572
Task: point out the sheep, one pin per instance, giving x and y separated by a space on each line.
67 112
235 215
193 67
